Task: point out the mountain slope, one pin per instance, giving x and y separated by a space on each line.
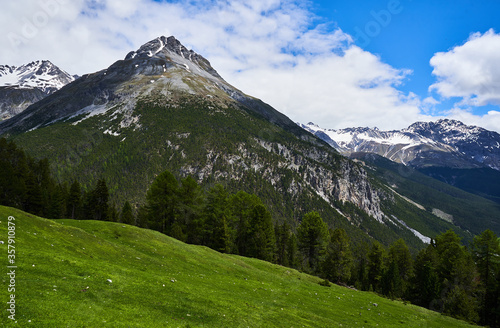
469 211
445 143
165 108
24 85
102 274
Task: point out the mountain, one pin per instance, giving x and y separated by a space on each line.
24 85
159 66
450 202
444 143
164 107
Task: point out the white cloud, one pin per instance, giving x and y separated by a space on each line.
336 91
489 121
470 71
273 50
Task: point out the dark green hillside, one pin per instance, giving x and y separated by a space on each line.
102 274
469 211
216 142
484 182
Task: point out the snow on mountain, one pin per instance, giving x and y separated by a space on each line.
441 143
22 86
41 74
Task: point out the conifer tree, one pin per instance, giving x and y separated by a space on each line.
293 251
216 217
162 202
338 260
426 285
113 214
127 214
241 205
57 206
100 198
399 270
485 250
283 234
261 234
191 200
13 174
376 260
34 198
312 236
74 202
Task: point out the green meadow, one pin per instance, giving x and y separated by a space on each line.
102 274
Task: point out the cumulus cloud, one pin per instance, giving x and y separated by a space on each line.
489 121
470 71
271 49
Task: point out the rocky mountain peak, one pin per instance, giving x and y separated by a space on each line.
171 49
41 74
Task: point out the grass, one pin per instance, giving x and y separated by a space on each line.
63 269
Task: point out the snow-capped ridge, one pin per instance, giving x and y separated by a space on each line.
444 142
40 74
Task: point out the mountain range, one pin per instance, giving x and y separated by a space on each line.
444 143
24 85
164 107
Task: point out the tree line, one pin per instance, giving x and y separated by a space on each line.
445 276
27 184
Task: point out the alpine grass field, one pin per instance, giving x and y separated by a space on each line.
101 274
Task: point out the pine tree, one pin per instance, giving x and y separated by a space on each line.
57 206
127 214
399 270
376 260
113 214
13 174
34 202
446 279
216 217
100 198
283 234
162 202
338 260
241 205
191 200
426 285
359 276
485 250
74 202
261 234
312 236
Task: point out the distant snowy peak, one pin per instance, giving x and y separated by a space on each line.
347 139
172 49
452 131
41 74
441 143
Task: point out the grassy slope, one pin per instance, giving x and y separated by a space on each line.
157 281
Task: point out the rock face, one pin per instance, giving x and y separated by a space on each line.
24 85
15 100
447 143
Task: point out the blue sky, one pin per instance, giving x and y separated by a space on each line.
383 63
407 33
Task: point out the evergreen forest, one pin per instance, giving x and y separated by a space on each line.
462 281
